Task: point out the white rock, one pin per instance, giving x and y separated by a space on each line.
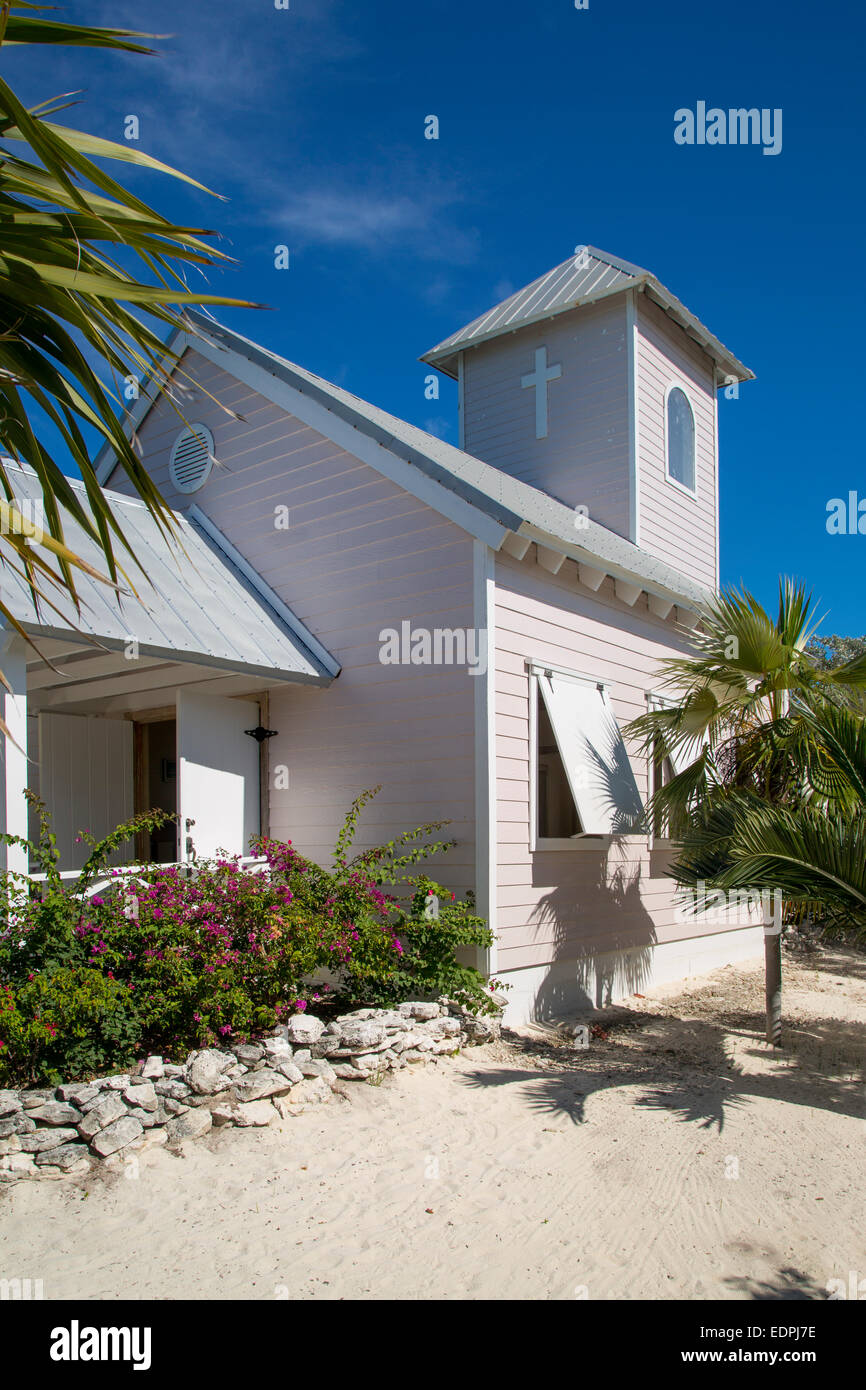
206 1074
442 1028
153 1069
9 1103
316 1066
304 1029
116 1136
143 1096
259 1084
362 1035
420 1009
103 1113
316 1091
78 1093
18 1165
153 1137
146 1118
42 1139
192 1125
56 1112
255 1112
68 1156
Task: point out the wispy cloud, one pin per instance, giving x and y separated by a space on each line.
421 219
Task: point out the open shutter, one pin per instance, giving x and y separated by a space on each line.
593 754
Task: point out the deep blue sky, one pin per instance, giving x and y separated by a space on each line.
556 128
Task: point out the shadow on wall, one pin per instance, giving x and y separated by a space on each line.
602 935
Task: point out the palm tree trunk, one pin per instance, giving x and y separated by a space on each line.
773 971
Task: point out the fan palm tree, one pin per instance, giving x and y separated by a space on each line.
742 716
78 252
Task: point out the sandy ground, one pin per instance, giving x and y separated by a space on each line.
677 1158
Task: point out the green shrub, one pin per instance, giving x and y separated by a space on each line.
175 960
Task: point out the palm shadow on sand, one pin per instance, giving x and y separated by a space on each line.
685 1066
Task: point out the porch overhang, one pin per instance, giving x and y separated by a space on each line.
197 604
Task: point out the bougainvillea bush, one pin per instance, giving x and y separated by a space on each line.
172 959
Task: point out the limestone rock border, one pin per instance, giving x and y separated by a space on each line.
54 1133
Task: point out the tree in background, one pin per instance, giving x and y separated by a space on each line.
772 793
78 253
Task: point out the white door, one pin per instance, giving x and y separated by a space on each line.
86 781
218 775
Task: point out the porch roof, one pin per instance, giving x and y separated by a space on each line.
201 604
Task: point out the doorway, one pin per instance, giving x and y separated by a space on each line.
156 787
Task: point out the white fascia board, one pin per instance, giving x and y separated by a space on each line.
106 461
449 504
588 560
484 618
277 675
631 347
712 346
264 590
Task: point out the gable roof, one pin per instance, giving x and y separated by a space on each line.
570 286
236 627
488 503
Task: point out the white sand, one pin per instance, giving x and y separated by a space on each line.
525 1170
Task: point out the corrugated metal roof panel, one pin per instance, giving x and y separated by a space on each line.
195 605
568 286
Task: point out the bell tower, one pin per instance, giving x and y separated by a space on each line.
595 385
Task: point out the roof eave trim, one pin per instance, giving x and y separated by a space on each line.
441 357
711 345
694 598
409 468
314 647
183 658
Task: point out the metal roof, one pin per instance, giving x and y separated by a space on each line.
580 280
514 505
196 606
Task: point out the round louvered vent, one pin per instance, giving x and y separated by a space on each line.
191 458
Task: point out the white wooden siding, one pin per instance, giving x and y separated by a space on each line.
567 904
86 780
360 555
585 458
676 527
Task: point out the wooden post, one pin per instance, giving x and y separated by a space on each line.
13 711
773 965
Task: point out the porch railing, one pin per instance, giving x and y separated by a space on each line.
251 864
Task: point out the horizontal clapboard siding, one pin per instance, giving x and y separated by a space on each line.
359 555
585 458
674 526
557 905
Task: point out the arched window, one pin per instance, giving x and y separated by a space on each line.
680 439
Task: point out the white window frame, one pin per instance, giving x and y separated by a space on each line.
582 840
655 701
674 482
538 842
